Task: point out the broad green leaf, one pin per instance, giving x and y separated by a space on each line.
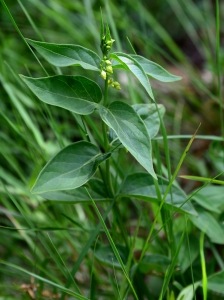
154 70
63 55
210 198
129 63
208 224
216 282
75 93
184 257
154 262
141 186
70 168
105 255
188 292
213 193
149 115
131 131
216 155
95 187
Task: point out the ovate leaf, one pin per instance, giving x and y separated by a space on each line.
154 70
75 93
105 255
150 117
70 168
127 62
67 55
131 131
95 186
141 186
189 244
216 283
188 292
210 198
154 262
208 224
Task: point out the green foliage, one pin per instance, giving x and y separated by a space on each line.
108 217
75 93
67 55
70 168
131 131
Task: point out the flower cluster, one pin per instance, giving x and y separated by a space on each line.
106 45
106 69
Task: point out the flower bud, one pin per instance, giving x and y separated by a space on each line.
103 74
116 85
108 62
110 42
109 69
110 81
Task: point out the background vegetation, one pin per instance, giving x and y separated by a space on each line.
60 242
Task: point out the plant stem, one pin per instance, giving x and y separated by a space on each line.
106 144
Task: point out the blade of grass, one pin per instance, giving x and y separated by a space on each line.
165 194
116 253
130 258
203 179
32 23
86 248
191 267
67 291
219 92
184 136
92 288
69 274
190 197
203 267
170 270
30 223
20 33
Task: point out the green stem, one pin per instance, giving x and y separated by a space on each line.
218 66
106 144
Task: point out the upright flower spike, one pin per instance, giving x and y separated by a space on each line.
106 69
106 41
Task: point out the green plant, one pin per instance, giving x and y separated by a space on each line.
123 125
147 240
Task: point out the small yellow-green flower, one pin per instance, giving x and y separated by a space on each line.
103 74
109 69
